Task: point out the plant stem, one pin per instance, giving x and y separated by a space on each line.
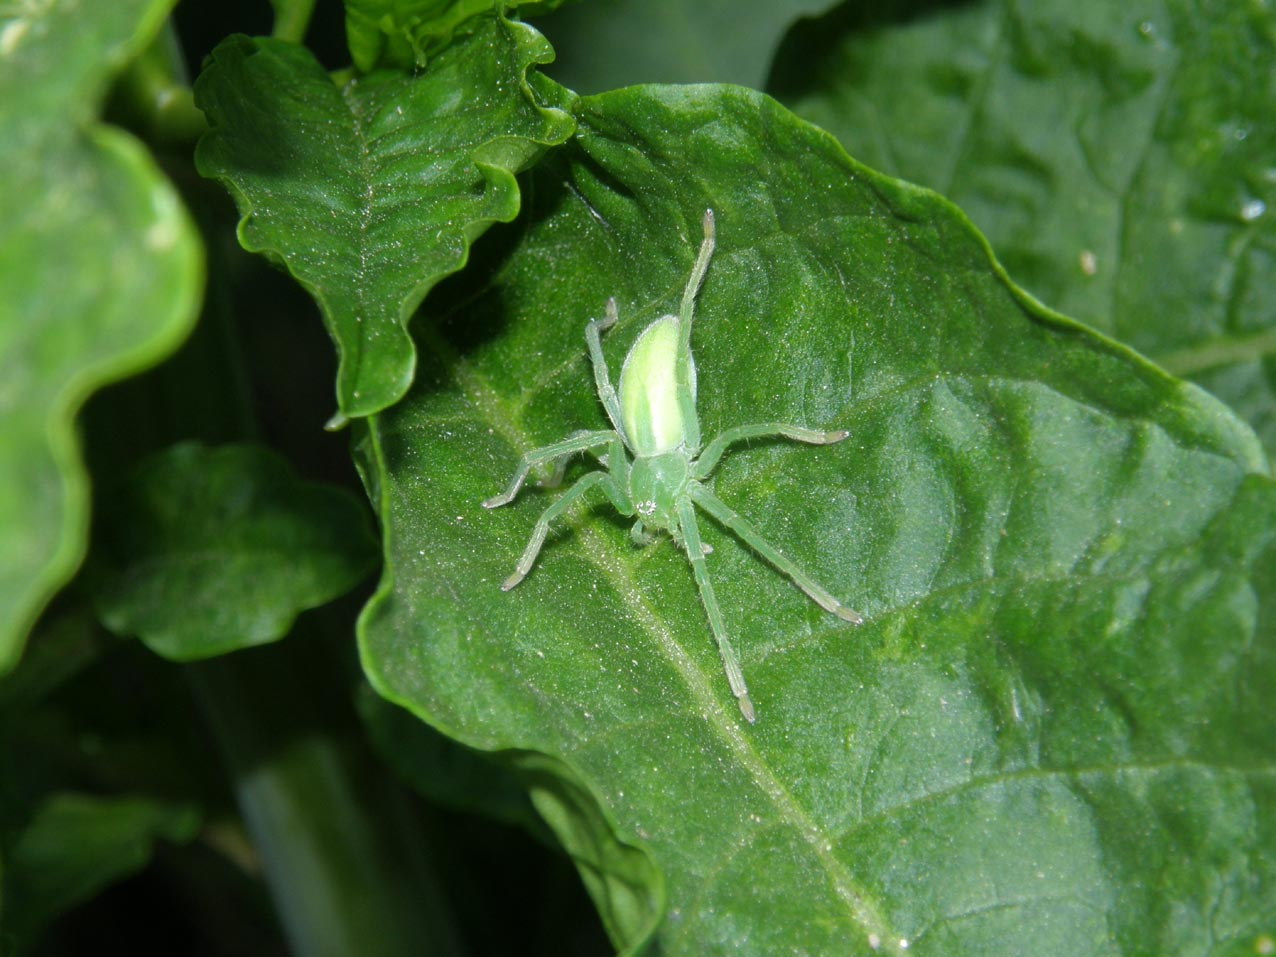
339 844
292 19
154 98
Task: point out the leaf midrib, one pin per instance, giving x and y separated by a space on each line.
368 170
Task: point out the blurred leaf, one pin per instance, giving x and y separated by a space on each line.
372 191
1120 157
447 773
603 44
1054 725
404 34
75 847
101 271
210 550
63 645
118 724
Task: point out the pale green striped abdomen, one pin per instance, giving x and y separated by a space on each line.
649 406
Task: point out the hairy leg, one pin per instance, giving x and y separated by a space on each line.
753 538
602 380
601 480
763 430
579 442
695 552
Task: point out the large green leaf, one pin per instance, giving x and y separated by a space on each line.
372 190
604 44
100 270
209 550
1052 733
1118 156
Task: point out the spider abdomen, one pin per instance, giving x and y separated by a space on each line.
654 418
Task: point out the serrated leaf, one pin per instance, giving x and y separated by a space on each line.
207 550
1052 727
405 33
604 45
371 191
77 845
1118 156
101 271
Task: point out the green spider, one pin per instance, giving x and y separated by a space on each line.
654 416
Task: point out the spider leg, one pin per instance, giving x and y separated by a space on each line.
685 366
763 430
604 480
593 338
695 281
555 478
579 442
695 552
753 538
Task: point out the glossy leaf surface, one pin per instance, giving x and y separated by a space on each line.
1119 157
1054 724
371 191
101 272
211 549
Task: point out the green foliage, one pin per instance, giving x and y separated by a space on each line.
1117 156
407 33
394 177
209 550
77 845
999 515
100 269
615 43
1052 735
